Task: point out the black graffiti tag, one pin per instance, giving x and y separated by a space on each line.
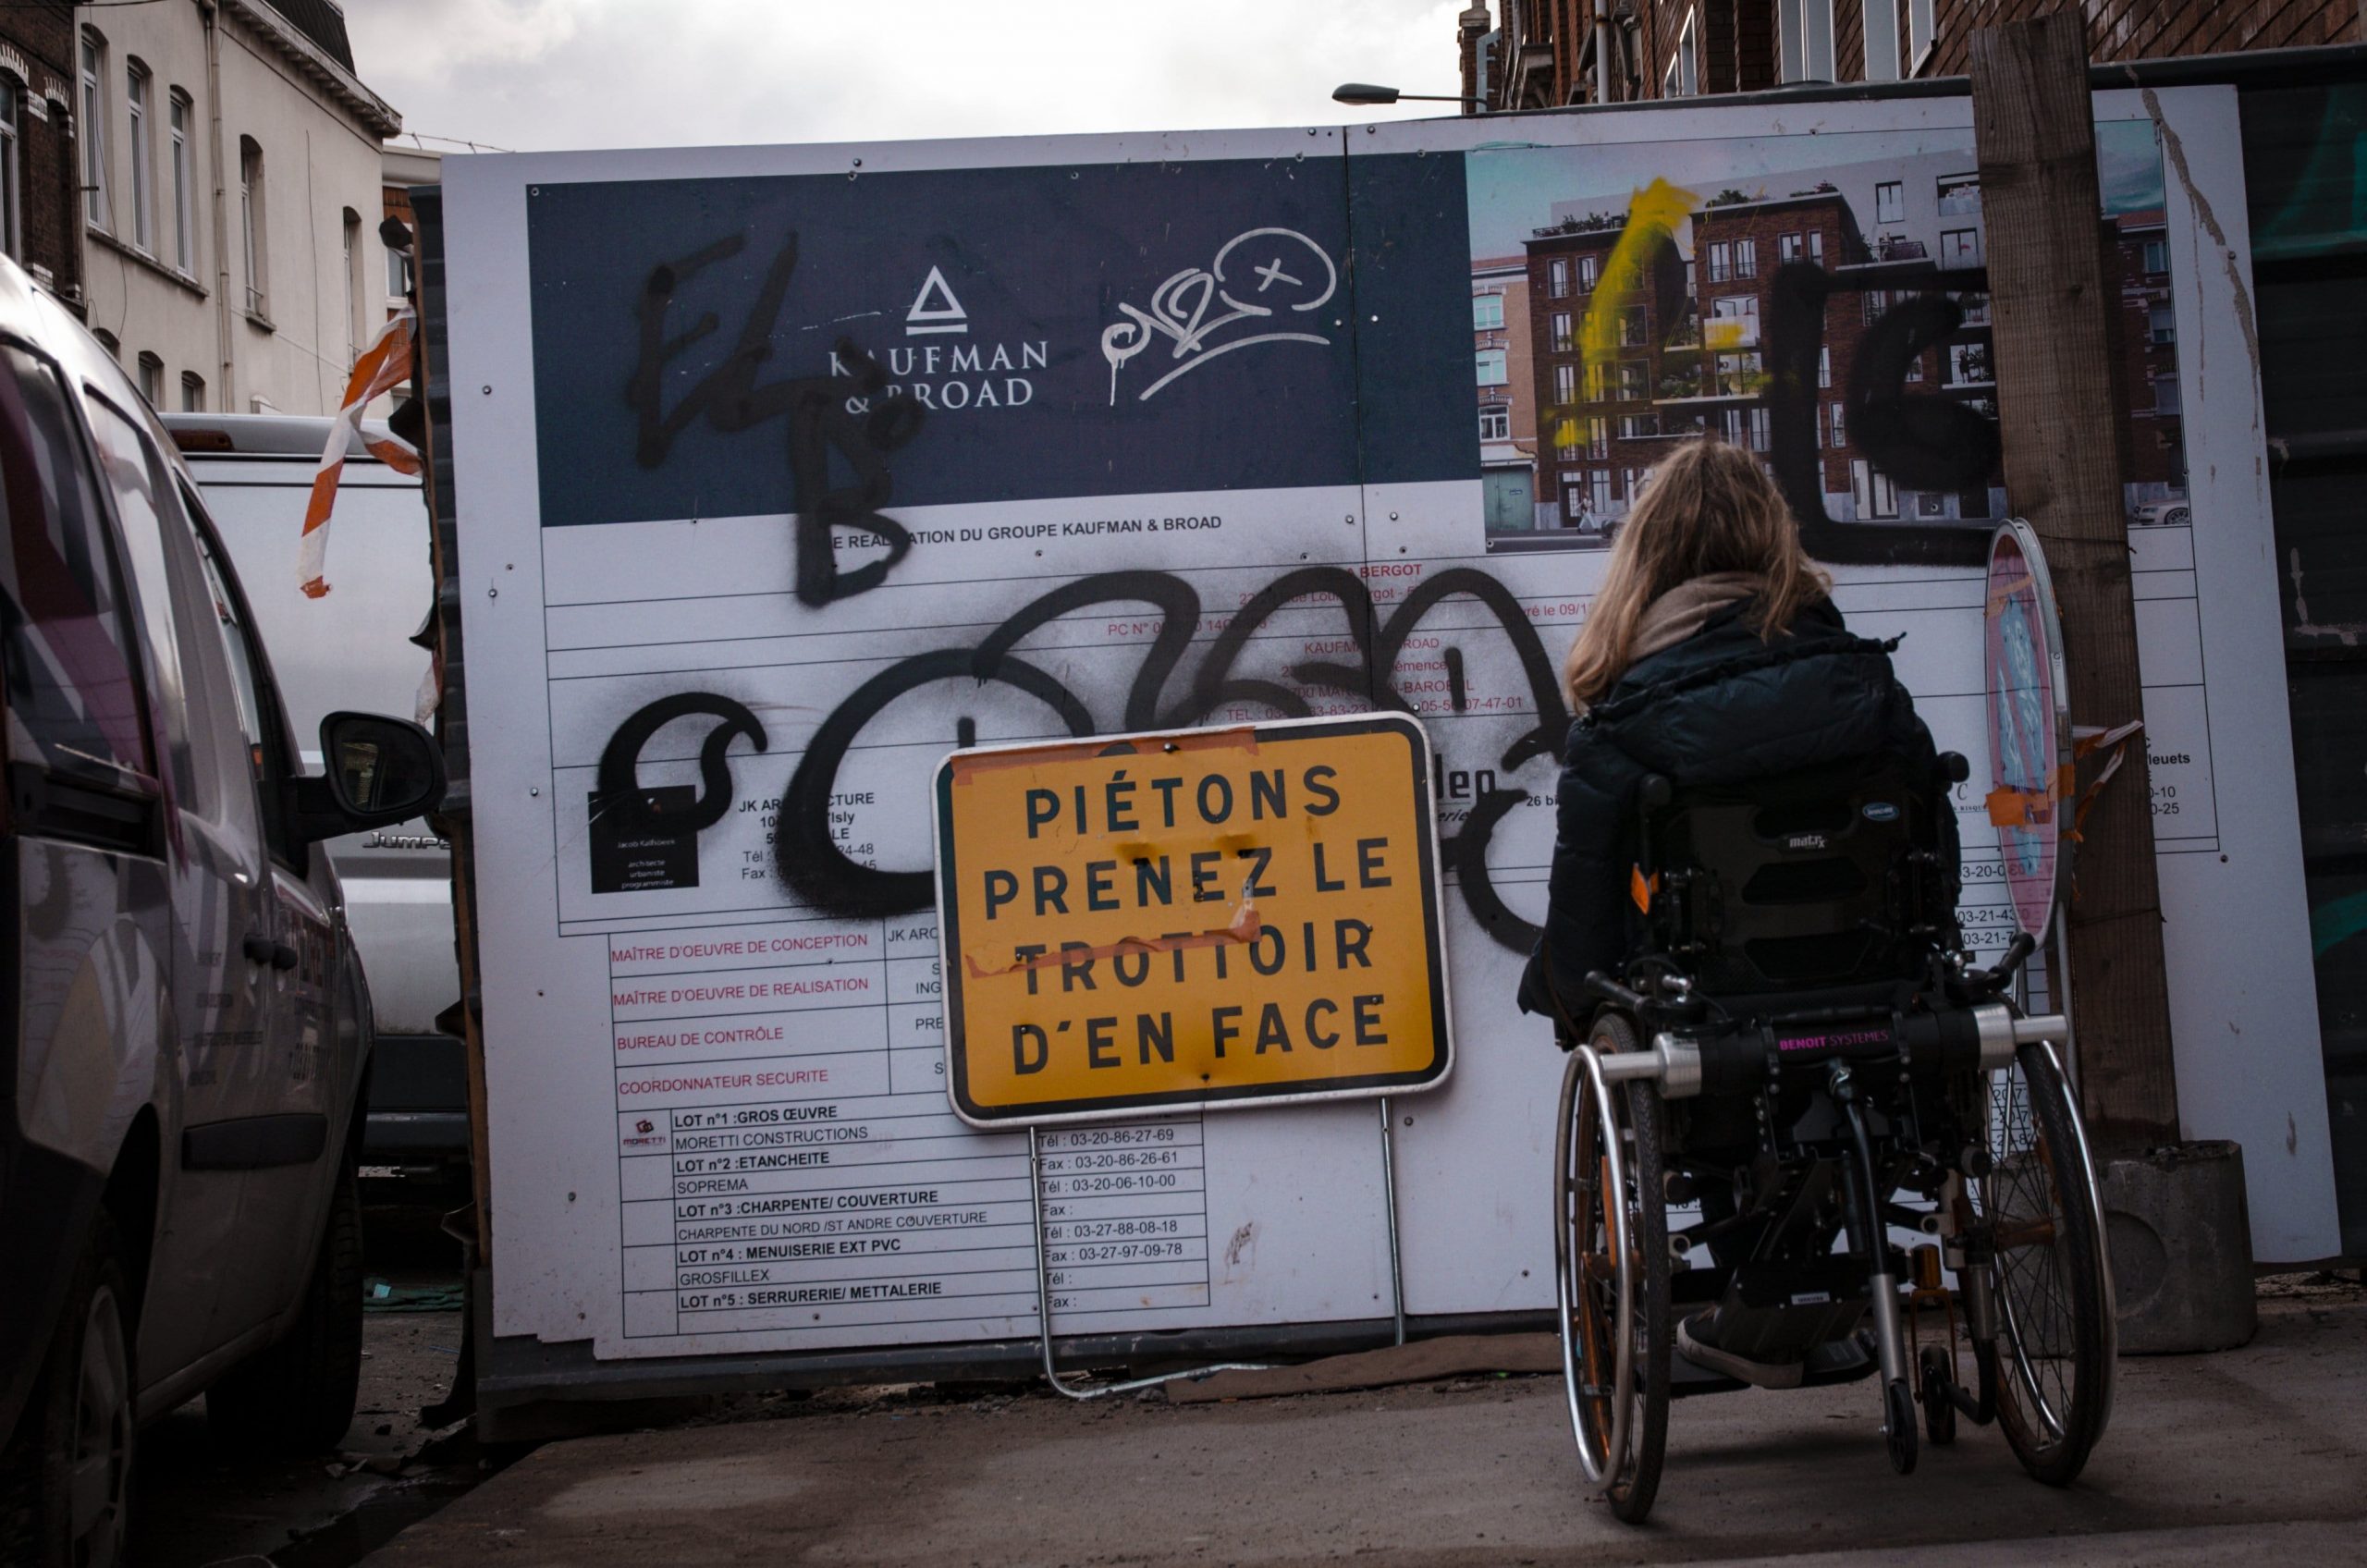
811 865
834 422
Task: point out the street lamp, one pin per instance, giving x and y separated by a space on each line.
1363 94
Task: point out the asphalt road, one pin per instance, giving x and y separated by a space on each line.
2246 1455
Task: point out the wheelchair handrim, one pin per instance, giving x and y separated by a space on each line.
1583 1081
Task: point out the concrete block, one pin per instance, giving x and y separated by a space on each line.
2181 1244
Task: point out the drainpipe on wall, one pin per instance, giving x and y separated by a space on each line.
211 21
1603 51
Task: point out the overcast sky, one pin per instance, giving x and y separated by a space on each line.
539 74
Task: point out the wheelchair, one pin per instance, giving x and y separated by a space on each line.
1798 1066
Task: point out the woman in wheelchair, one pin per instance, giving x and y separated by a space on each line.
1751 932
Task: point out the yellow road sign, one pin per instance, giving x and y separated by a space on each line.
1201 918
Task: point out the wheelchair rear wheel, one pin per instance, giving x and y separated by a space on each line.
1612 1268
2054 1342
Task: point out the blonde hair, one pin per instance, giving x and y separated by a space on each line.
1708 508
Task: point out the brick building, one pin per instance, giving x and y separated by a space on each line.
39 200
1500 353
1543 53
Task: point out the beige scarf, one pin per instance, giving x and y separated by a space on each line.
1685 609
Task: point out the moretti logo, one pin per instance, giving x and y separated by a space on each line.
953 374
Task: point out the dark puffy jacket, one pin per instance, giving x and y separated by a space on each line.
1718 707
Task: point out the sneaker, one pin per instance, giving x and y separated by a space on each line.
1694 1341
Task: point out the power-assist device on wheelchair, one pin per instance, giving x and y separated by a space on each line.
1799 1105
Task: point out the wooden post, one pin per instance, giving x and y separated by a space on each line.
2048 298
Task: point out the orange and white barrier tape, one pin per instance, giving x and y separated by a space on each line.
383 365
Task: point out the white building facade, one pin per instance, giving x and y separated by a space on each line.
231 200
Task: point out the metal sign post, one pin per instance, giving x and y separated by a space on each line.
1300 860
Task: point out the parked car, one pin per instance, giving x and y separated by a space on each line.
2161 514
187 1031
354 649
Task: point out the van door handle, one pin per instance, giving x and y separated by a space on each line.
261 949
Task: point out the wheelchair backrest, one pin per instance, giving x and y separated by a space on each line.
1826 878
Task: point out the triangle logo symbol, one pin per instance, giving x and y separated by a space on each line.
935 309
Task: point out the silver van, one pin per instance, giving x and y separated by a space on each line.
353 648
186 1031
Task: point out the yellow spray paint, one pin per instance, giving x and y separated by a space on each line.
1653 213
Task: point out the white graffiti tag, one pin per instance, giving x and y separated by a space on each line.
1290 272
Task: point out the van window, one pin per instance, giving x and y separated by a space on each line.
260 716
214 768
71 657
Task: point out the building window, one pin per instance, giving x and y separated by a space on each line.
1739 374
1721 262
1560 333
1639 427
1491 367
1730 420
1565 436
1890 202
1787 249
1487 313
2164 322
1599 483
1840 428
2157 255
1632 375
1557 277
2166 395
1915 368
1875 494
1495 421
254 232
1635 329
397 277
1976 308
1824 366
1589 269
353 286
143 156
1574 497
1565 384
1804 39
1599 437
1762 428
1815 246
193 392
1734 321
184 185
1960 248
1921 31
152 380
93 130
1596 382
11 208
1633 480
1745 258
1968 365
1959 195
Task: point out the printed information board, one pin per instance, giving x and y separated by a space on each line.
1191 919
783 471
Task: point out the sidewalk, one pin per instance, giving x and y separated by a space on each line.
2251 1455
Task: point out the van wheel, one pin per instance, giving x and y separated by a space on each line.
298 1396
65 1478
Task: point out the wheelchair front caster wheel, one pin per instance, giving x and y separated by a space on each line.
1898 1426
1938 1396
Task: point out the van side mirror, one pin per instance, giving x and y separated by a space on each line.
380 771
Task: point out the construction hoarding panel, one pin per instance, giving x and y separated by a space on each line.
781 472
